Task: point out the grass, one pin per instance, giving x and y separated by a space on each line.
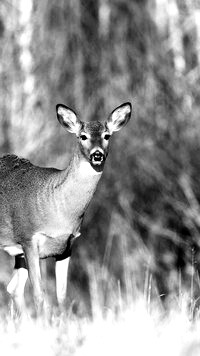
120 324
134 330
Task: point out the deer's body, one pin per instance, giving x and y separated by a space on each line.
41 209
42 204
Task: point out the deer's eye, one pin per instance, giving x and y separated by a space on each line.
106 137
83 137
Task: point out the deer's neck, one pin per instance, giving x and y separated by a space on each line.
78 181
79 169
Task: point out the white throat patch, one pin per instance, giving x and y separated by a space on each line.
86 169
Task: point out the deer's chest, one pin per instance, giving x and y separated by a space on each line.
65 219
66 210
63 224
49 246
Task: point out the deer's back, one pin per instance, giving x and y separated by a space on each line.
19 176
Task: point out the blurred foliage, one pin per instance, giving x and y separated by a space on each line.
92 56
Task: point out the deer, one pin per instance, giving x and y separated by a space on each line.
42 209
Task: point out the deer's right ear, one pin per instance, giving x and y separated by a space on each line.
68 118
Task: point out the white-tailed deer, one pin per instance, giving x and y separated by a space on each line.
41 209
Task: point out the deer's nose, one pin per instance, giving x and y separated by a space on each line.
98 156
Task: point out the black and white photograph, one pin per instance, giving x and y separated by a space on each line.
99 177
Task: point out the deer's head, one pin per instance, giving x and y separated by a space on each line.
93 137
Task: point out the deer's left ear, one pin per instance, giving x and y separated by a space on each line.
119 117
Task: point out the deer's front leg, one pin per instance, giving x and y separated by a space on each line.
33 265
61 271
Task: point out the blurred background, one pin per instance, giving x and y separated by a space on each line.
142 227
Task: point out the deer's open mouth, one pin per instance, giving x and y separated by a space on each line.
97 158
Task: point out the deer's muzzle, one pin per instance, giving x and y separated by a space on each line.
97 157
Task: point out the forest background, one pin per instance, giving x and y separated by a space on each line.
142 227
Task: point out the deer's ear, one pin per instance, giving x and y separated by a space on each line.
119 117
68 118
